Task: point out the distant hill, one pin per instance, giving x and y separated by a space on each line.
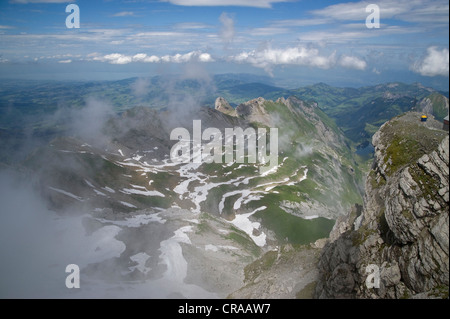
36 108
360 112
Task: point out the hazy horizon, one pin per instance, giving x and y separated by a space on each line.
300 41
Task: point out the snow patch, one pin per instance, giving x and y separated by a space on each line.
140 259
129 191
108 189
135 221
220 247
89 183
127 204
99 193
242 221
172 255
66 193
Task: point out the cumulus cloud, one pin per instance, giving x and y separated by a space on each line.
117 58
188 57
301 56
214 3
352 62
295 55
142 57
434 63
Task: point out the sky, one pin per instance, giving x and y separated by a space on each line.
299 41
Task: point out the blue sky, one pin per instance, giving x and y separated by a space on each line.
306 41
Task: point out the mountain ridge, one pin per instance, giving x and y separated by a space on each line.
35 109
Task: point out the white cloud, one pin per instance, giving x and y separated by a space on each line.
117 58
431 11
268 31
181 58
301 22
344 11
376 71
434 63
153 34
191 26
295 55
352 62
227 30
347 33
124 14
142 57
218 3
301 56
205 57
65 61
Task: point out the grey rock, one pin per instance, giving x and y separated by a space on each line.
403 228
223 106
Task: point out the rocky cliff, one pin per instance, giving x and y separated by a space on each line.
397 245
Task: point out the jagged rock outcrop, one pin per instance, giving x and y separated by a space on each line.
254 111
223 106
403 229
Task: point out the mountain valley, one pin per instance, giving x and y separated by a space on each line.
140 225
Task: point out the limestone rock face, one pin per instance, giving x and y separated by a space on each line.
254 111
403 229
223 106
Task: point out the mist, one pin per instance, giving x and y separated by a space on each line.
227 30
34 250
184 105
140 87
88 122
38 239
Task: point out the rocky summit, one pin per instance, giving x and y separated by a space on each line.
397 245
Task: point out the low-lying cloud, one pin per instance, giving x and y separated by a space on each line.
118 58
434 63
352 62
296 56
301 56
